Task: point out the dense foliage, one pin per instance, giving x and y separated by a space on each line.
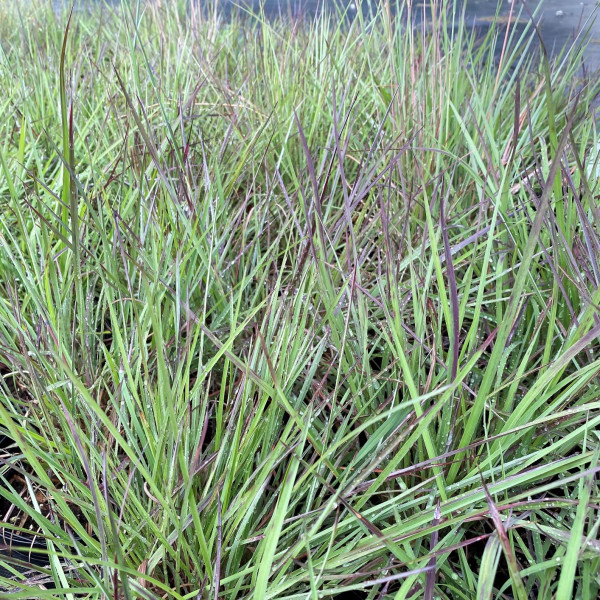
290 309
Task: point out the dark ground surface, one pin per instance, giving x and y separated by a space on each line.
560 21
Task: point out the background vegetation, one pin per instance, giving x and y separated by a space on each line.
292 309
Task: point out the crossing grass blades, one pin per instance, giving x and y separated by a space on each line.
296 309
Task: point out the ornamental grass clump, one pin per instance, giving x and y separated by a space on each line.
296 308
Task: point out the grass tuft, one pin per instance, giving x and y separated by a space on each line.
296 309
